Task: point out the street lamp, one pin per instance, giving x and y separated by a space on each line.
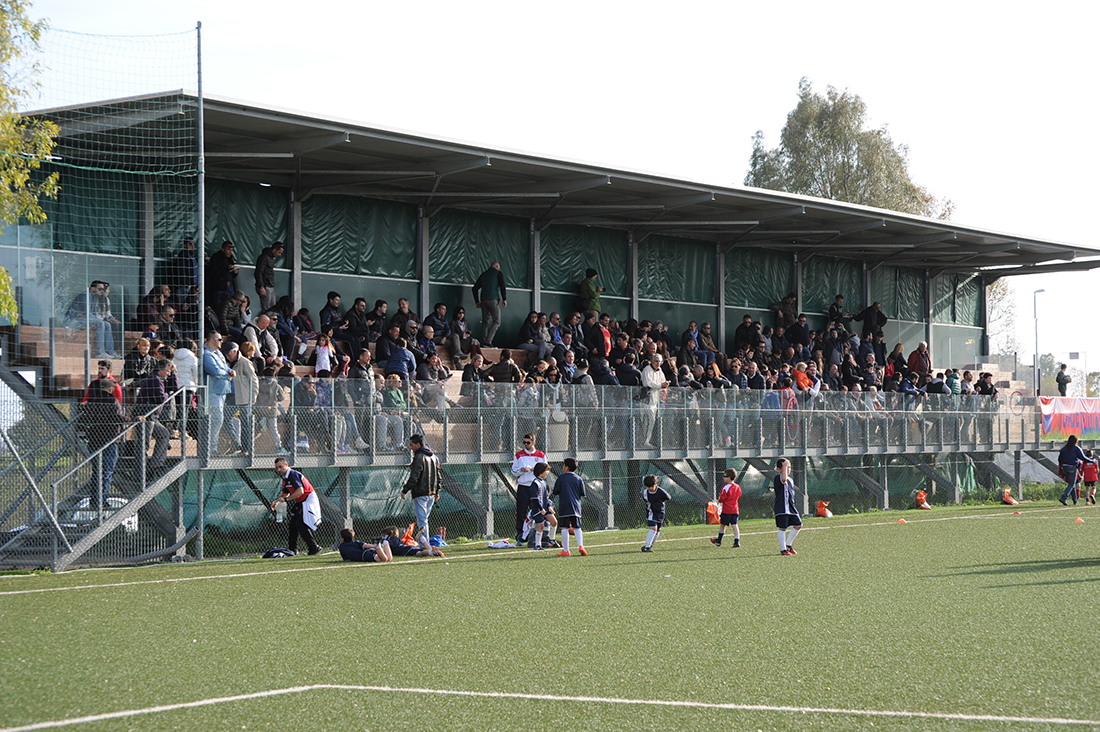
1035 313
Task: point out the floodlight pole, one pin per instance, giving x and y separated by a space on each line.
1035 314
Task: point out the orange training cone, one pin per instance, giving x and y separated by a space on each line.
902 521
1017 513
1079 521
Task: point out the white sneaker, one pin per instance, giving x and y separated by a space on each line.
360 444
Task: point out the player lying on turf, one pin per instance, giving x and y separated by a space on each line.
398 548
358 551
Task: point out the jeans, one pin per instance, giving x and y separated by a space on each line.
110 458
1070 472
216 404
104 338
423 505
267 302
490 320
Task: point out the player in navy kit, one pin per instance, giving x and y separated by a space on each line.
570 489
655 498
786 514
358 551
540 512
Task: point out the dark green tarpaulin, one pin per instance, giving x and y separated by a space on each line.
756 278
943 299
900 290
353 235
96 212
464 244
956 300
670 268
824 278
249 215
175 215
567 251
968 307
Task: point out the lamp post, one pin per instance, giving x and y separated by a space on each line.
1035 313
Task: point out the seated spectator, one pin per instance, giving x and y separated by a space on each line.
461 340
168 331
353 328
736 376
798 334
376 320
412 339
437 319
259 334
150 306
387 346
229 311
529 338
358 551
431 376
85 309
426 340
330 313
627 372
403 314
390 418
303 321
473 374
833 380
139 363
504 370
689 355
601 373
401 362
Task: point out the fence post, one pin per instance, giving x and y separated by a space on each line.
486 521
200 515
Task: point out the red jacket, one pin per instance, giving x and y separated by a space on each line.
1091 471
728 498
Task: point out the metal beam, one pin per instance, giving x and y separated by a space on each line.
294 146
951 486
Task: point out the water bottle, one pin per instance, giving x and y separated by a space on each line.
280 513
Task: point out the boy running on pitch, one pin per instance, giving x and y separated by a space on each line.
655 498
540 513
1091 471
786 513
729 497
570 489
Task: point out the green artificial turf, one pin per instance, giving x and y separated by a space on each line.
959 611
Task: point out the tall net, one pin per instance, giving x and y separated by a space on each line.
127 160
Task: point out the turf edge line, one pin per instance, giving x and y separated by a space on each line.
550 697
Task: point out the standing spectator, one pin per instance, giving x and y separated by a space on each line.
785 310
798 334
425 481
837 312
221 274
872 318
246 389
1070 458
151 393
747 333
920 362
654 382
1063 379
182 272
590 291
787 520
523 469
265 275
305 510
490 294
101 411
219 385
570 490
403 314
597 338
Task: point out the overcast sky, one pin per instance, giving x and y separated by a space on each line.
994 101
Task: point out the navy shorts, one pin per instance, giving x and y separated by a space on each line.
787 520
729 519
654 524
536 518
569 522
369 555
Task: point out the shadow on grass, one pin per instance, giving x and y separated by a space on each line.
1043 565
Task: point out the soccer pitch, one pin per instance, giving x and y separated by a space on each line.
959 619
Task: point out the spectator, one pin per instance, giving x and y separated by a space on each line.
490 294
529 339
627 372
387 346
590 291
403 314
1070 458
431 376
597 337
182 272
376 320
755 378
330 313
246 387
265 275
441 329
837 312
653 382
150 306
151 393
555 328
84 311
505 370
168 331
785 310
1063 379
461 340
401 362
139 363
221 274
920 361
748 333
101 412
798 334
230 314
872 318
354 328
266 344
219 384
424 483
392 415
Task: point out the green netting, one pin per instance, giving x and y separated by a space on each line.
463 245
670 268
249 215
900 290
824 278
968 301
943 298
567 251
755 278
353 235
96 210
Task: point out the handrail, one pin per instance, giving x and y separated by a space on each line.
122 434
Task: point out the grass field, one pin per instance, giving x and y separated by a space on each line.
963 614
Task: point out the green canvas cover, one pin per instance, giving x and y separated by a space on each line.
567 251
670 268
463 245
755 278
823 278
250 216
354 235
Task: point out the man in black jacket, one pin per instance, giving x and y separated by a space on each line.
265 275
221 274
872 318
425 481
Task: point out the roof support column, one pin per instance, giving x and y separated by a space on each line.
534 268
797 289
720 290
866 287
422 268
632 273
928 308
148 249
985 321
294 247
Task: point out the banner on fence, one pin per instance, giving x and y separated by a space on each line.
1065 416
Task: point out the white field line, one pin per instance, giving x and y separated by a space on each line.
554 698
490 553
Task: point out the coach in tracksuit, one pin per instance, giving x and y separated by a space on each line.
523 468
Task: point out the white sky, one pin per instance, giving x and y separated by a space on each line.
993 100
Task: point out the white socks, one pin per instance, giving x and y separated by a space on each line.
538 539
794 533
650 537
782 540
580 537
565 540
553 531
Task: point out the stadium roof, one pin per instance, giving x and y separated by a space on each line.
313 155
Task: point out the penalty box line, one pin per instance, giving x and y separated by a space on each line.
482 555
1005 719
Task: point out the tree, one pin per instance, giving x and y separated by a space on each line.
25 142
1001 328
825 151
1092 384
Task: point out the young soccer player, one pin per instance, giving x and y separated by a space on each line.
1091 471
655 498
570 490
786 514
358 551
391 537
729 497
540 513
